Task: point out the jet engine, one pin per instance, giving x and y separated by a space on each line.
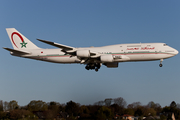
83 53
106 58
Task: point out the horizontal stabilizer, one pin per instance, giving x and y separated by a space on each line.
64 47
17 51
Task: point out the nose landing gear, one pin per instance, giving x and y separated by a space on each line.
160 65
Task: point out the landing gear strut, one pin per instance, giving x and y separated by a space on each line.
93 66
160 65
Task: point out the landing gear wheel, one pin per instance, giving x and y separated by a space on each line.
160 65
96 70
93 66
87 67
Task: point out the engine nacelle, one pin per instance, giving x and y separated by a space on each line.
111 65
106 58
83 53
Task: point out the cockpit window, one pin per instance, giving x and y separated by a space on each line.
165 44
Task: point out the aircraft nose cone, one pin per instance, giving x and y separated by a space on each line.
176 52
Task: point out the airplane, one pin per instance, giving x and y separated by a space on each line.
92 57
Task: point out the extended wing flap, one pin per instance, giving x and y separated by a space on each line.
17 51
64 47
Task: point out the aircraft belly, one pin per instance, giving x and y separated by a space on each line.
63 59
55 59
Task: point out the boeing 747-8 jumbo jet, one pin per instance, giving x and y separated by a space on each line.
92 57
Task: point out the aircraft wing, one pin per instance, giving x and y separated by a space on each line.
17 51
71 50
64 47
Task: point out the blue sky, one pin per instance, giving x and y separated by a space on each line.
90 23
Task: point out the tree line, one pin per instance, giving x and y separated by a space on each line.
105 109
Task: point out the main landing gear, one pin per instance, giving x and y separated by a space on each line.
160 65
93 66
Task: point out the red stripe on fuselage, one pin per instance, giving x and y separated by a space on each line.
112 54
140 53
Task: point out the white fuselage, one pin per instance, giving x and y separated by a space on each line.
92 57
120 52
